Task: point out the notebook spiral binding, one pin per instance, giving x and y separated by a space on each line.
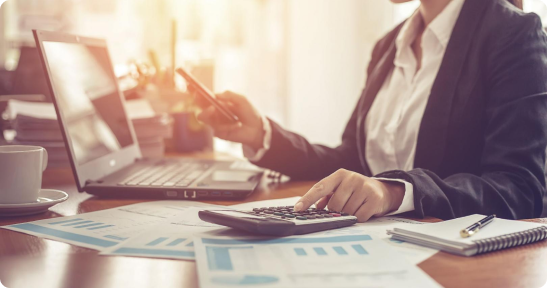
511 240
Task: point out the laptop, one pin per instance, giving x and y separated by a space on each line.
100 138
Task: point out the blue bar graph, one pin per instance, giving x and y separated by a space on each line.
219 257
99 227
176 242
154 252
89 225
65 221
359 249
77 223
191 244
320 251
65 235
300 252
157 241
115 237
288 240
340 250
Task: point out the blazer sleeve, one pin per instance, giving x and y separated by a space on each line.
292 155
511 182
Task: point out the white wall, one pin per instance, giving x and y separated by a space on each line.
329 46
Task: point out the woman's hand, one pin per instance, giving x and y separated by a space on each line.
248 131
355 194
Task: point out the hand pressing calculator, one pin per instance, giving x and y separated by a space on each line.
279 221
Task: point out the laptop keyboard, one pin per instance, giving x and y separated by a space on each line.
166 175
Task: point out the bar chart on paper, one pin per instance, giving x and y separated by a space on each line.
107 228
348 260
227 253
172 239
160 242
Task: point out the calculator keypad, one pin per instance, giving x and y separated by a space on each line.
287 213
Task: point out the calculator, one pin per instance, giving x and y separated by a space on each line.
279 221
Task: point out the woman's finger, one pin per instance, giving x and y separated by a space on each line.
341 194
322 203
320 190
227 127
367 210
228 96
206 116
354 203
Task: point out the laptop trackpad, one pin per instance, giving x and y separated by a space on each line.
232 176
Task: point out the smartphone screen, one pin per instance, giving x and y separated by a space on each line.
202 91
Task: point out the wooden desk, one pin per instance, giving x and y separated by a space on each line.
27 261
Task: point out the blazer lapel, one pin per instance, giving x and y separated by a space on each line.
434 126
374 83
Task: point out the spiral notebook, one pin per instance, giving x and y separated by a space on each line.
500 234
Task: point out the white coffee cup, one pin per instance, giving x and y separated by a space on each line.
21 170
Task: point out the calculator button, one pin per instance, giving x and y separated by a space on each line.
335 215
301 217
257 209
328 216
278 214
269 212
311 217
290 215
319 216
345 214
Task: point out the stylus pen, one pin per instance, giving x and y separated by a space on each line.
475 227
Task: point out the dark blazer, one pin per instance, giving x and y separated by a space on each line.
482 139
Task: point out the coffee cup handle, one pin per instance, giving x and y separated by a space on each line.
44 160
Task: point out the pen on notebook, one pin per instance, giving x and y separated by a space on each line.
475 227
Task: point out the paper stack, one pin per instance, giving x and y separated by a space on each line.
358 256
151 128
35 123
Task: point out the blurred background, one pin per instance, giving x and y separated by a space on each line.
302 63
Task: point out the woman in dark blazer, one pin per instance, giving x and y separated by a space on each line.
480 144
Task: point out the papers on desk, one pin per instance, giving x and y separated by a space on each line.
107 228
303 261
358 256
173 239
413 253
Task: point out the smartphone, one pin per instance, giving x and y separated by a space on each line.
202 91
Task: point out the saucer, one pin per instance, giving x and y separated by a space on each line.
46 199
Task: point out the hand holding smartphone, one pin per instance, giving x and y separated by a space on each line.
206 94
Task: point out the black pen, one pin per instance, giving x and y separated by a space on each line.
475 227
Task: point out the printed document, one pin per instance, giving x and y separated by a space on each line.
174 238
106 228
303 261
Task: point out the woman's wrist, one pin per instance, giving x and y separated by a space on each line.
258 140
396 192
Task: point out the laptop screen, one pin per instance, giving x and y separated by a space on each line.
88 98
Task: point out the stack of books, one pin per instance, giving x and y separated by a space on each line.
151 128
35 123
